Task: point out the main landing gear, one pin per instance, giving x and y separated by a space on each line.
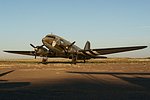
74 59
44 60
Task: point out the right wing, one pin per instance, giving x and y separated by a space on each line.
117 50
96 52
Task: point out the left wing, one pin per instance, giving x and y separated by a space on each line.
95 52
32 53
22 52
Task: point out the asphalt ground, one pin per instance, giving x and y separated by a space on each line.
112 79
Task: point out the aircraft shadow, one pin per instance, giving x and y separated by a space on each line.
4 84
12 85
55 62
86 87
59 62
5 73
80 89
137 78
111 73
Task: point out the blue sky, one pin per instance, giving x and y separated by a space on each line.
106 23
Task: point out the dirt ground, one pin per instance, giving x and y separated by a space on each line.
103 79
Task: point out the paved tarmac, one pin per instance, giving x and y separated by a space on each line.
27 80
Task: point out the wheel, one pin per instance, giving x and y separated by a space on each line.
74 59
44 60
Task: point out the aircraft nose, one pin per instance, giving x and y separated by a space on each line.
50 43
47 40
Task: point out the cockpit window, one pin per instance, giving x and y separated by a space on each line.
61 41
51 36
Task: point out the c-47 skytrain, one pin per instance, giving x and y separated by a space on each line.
55 47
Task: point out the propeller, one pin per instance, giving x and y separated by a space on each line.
32 46
68 47
71 44
74 54
36 48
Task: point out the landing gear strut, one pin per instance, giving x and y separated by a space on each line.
74 59
84 61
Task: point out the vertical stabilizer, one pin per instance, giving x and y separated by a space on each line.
87 46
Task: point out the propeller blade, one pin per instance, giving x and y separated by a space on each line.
68 47
32 46
71 45
35 49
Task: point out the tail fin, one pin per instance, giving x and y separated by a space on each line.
87 46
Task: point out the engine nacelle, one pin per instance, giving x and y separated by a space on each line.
42 52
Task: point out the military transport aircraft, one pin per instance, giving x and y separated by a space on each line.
55 46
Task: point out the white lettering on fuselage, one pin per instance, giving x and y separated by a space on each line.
53 43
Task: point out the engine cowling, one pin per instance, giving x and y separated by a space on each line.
42 52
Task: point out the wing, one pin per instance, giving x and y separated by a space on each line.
95 52
22 52
32 53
